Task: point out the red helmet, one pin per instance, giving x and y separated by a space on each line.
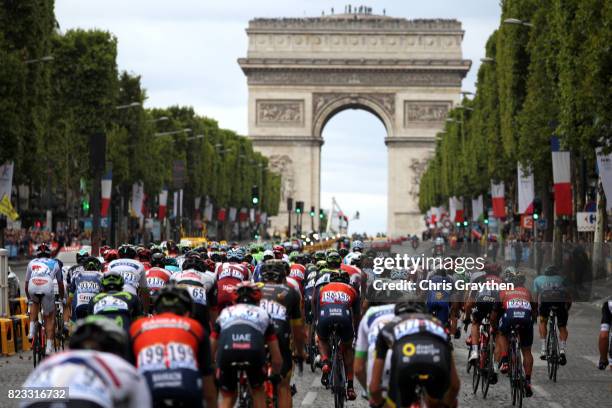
278 248
110 255
246 292
103 249
143 254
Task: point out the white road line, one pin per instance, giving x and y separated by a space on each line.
539 391
309 398
553 404
593 359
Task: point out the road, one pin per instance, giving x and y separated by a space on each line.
579 383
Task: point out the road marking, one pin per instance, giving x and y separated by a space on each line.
309 398
540 391
593 359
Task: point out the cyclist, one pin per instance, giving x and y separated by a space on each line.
115 303
41 273
157 276
81 256
377 315
357 246
83 287
421 355
440 299
515 309
338 306
172 351
283 304
94 370
605 354
551 291
228 275
109 256
240 335
133 272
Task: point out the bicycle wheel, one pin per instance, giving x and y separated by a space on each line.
337 382
59 332
552 350
36 344
488 370
312 349
476 375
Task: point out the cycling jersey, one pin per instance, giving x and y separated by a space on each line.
485 299
41 274
195 281
133 273
551 292
241 332
83 287
298 273
94 379
337 304
439 298
309 287
123 307
283 305
72 271
173 354
421 355
517 312
355 274
372 321
157 278
606 316
229 275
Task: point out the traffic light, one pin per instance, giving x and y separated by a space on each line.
255 195
85 205
485 216
321 213
465 223
458 224
299 207
537 209
312 211
486 221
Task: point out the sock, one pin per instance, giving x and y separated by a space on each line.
562 344
543 344
49 343
31 328
528 378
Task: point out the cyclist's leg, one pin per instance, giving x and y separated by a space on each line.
562 317
501 342
34 309
543 311
284 391
259 397
228 399
48 308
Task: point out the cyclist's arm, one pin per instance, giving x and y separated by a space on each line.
297 326
361 354
144 291
450 397
60 281
276 359
27 280
606 320
140 396
214 335
375 389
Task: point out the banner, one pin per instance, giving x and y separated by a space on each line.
196 203
107 186
175 201
221 214
456 209
163 204
586 221
244 215
561 178
526 221
264 218
208 212
499 202
137 199
477 208
252 214
525 190
604 168
6 180
232 214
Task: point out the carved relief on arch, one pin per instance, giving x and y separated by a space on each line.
283 165
417 168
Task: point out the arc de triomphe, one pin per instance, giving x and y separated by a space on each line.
302 71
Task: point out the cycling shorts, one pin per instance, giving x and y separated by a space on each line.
335 316
42 285
177 384
481 310
240 344
560 311
441 310
518 318
606 316
308 308
419 360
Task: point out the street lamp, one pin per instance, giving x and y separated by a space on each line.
196 137
516 21
465 93
160 119
129 105
467 108
487 59
174 132
42 59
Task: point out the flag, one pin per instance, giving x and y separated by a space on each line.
264 217
604 168
252 214
456 209
477 208
244 215
196 203
175 200
561 178
137 199
435 214
107 186
6 180
499 203
208 212
163 204
232 214
7 209
221 214
525 190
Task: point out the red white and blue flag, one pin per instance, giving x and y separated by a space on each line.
163 204
456 209
561 178
498 200
107 187
525 190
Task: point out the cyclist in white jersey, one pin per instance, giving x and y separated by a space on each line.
95 370
133 272
41 274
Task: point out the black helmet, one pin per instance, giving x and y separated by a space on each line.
273 270
158 260
333 260
100 333
319 256
173 298
343 252
92 264
127 251
112 280
339 276
194 263
43 251
409 306
82 255
551 270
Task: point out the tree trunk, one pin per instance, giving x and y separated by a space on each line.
598 266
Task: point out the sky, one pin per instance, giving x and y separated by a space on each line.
186 52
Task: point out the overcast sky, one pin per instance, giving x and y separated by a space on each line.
186 51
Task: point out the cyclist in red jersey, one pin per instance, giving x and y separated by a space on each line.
157 276
173 352
144 256
338 305
229 274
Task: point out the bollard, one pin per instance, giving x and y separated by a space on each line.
4 295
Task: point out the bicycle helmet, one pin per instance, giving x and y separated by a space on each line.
158 260
357 246
273 271
247 292
82 255
234 255
144 254
293 256
319 256
356 259
339 276
333 260
126 251
43 251
509 273
399 274
92 264
321 265
101 334
409 306
267 255
194 263
342 252
518 279
551 270
278 248
110 255
111 281
174 299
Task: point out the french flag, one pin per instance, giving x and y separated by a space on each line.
499 202
107 186
561 178
163 204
